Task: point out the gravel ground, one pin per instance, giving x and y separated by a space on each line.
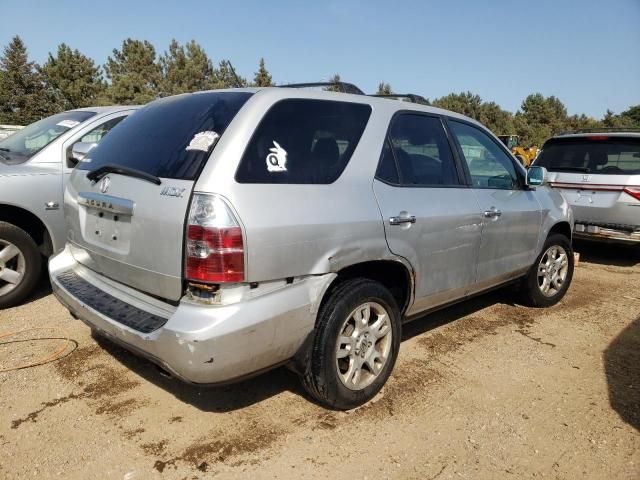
483 390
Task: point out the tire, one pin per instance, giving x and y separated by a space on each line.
533 290
18 255
331 380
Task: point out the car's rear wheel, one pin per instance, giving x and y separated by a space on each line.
20 264
550 276
355 346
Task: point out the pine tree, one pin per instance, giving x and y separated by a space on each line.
24 97
384 89
73 77
186 68
334 88
135 76
225 76
262 77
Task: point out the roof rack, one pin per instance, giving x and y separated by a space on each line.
603 129
344 87
413 98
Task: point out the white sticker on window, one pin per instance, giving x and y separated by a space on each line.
68 123
277 159
203 141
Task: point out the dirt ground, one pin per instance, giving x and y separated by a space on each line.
483 390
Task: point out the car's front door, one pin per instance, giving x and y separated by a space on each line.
430 217
511 214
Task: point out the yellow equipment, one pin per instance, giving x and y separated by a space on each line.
526 155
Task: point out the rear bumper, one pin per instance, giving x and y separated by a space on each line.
628 234
202 344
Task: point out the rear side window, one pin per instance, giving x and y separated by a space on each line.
597 154
303 141
171 137
421 151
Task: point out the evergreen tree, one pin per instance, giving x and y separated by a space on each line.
186 68
225 76
134 74
384 89
334 88
73 77
24 97
262 77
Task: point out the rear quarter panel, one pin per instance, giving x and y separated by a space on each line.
293 230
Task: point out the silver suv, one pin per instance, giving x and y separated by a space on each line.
598 172
223 233
35 163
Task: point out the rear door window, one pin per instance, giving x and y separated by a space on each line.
595 154
302 141
171 137
421 152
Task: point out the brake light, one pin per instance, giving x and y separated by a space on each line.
633 191
215 248
598 137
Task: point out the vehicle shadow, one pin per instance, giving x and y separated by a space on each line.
271 383
608 253
622 368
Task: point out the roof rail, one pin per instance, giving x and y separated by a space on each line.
603 129
344 87
413 98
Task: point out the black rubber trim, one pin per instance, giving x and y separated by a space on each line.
108 305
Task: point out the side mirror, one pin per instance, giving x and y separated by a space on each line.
536 176
79 151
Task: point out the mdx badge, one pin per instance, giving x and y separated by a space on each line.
172 192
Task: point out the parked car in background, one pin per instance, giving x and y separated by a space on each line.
598 172
223 233
34 165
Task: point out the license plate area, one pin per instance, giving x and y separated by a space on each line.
106 222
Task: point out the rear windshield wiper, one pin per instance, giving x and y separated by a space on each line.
5 149
98 173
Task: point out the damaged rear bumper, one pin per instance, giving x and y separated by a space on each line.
204 344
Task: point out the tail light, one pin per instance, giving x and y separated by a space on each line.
633 191
214 249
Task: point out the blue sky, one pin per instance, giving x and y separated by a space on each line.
586 52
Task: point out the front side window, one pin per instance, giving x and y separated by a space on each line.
302 141
25 143
489 165
421 151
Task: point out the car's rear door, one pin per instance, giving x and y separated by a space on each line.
128 223
512 216
430 217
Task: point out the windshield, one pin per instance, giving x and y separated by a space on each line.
24 144
171 137
596 154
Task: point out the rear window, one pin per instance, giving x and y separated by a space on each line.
171 137
597 154
303 141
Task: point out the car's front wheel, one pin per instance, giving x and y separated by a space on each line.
550 276
355 346
20 264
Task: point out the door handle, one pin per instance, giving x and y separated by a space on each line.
401 220
493 213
